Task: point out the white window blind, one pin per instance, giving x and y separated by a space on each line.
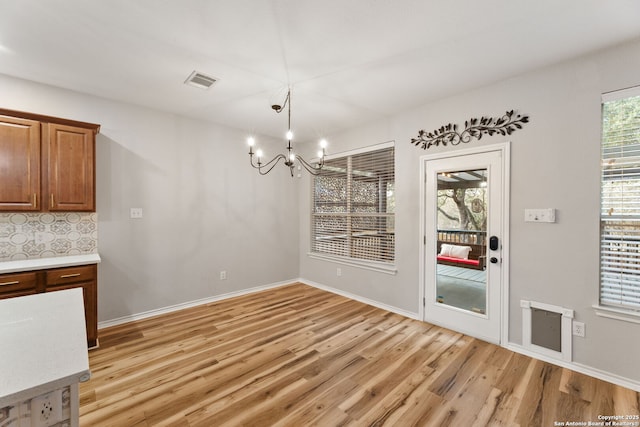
620 203
353 207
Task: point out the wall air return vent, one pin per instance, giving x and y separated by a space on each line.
200 80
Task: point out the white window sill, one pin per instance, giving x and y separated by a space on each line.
367 265
617 313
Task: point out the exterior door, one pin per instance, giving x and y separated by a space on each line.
464 256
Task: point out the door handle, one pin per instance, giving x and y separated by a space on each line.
493 260
494 243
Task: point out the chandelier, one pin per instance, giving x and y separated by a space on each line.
290 158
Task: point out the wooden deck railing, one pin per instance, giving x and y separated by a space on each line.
469 237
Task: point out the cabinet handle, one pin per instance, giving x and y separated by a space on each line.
35 200
66 276
10 283
52 204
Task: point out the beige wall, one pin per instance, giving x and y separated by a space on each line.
205 210
554 164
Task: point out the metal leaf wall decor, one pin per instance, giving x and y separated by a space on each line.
473 128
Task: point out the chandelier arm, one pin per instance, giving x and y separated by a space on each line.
271 164
264 165
313 170
253 165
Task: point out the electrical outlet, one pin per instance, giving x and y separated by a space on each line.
338 272
46 410
578 329
223 275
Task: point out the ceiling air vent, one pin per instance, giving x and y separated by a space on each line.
200 80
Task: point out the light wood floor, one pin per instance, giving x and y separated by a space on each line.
298 356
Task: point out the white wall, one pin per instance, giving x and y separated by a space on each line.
554 163
205 209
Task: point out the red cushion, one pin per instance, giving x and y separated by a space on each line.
459 260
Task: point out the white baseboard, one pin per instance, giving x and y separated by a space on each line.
189 304
584 369
361 299
578 367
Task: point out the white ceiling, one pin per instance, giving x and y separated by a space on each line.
348 61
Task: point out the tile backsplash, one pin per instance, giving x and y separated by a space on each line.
44 235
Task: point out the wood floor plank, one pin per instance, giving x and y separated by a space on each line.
299 356
378 386
418 408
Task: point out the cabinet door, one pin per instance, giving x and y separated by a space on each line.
70 171
19 164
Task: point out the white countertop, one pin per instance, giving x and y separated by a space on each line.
43 344
44 263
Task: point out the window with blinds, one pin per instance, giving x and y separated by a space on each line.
620 203
353 207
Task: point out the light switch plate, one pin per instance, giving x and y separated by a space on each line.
540 215
136 213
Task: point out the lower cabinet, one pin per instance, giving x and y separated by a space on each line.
18 284
56 279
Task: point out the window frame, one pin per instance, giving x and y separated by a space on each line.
379 266
603 309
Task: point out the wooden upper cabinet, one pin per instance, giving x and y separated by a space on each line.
70 168
46 163
19 164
